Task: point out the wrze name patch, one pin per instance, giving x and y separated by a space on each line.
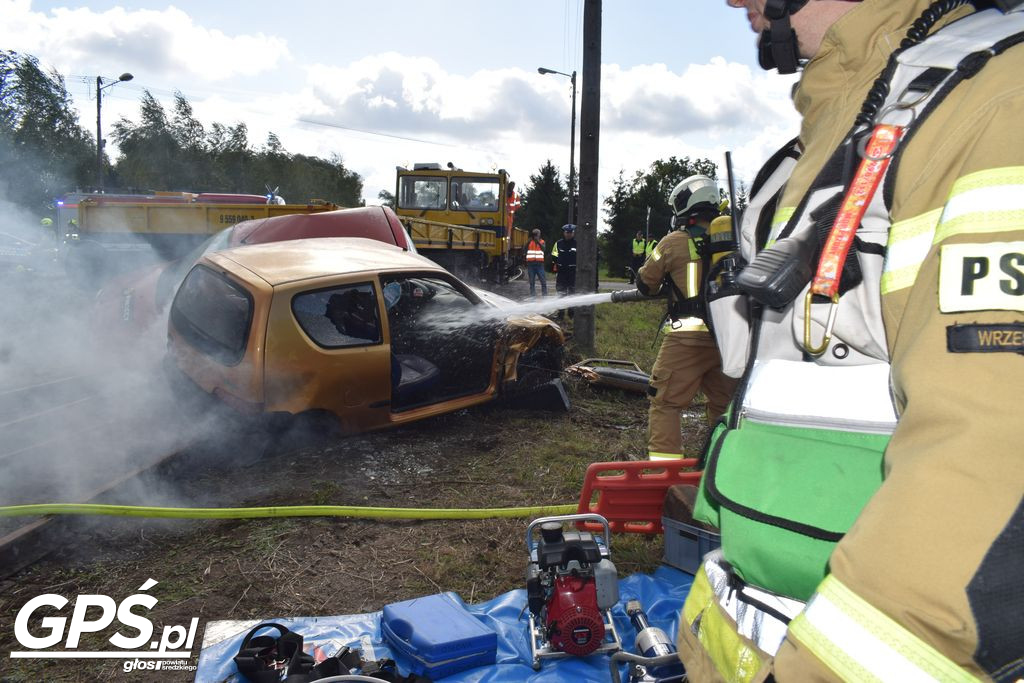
981 277
996 338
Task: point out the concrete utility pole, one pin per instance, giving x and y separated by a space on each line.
100 87
590 133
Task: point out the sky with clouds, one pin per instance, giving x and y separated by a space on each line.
392 83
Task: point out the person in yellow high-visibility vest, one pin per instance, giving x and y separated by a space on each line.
638 253
649 249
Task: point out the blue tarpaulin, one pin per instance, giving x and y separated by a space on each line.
661 594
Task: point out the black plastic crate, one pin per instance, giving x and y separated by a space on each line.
686 545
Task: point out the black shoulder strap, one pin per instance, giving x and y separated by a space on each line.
260 660
790 150
257 654
968 67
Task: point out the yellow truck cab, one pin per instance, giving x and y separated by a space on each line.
462 219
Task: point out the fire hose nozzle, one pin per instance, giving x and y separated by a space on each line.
622 295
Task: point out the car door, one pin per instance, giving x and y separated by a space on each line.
326 351
442 347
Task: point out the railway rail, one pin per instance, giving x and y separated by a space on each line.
77 438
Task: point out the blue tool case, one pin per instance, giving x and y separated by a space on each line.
438 636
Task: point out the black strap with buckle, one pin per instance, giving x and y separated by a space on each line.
270 659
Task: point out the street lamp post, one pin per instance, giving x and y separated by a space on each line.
100 87
572 139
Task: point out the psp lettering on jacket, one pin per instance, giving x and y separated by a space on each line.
978 277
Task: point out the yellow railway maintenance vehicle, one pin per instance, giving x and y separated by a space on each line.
119 233
462 220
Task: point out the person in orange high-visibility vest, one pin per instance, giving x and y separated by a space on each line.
512 204
535 263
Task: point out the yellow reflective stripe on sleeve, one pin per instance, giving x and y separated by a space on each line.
698 599
779 221
983 202
656 254
909 244
860 643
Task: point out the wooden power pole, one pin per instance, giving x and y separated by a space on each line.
590 130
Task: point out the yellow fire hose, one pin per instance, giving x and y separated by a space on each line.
281 511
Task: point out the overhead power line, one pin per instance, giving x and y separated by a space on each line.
391 135
79 79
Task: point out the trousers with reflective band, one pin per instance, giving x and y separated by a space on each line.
708 641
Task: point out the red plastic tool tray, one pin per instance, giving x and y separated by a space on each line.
630 495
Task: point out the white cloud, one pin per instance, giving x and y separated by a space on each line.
165 42
648 111
414 96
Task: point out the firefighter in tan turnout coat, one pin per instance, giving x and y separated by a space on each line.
688 359
927 583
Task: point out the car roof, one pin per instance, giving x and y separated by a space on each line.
374 222
282 262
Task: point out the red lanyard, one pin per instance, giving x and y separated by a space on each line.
876 154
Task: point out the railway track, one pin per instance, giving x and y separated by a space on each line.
27 413
77 438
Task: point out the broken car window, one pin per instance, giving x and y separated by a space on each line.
339 316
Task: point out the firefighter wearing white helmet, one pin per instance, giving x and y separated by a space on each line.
688 359
868 484
693 198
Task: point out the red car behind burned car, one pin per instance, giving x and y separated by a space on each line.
136 301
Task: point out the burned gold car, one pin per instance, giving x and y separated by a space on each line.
368 332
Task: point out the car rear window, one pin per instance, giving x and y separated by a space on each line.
213 314
339 316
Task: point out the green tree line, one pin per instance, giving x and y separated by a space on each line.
48 153
44 151
636 202
640 202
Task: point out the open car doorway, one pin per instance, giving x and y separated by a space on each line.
441 345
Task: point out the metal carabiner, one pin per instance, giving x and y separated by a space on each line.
862 145
829 324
